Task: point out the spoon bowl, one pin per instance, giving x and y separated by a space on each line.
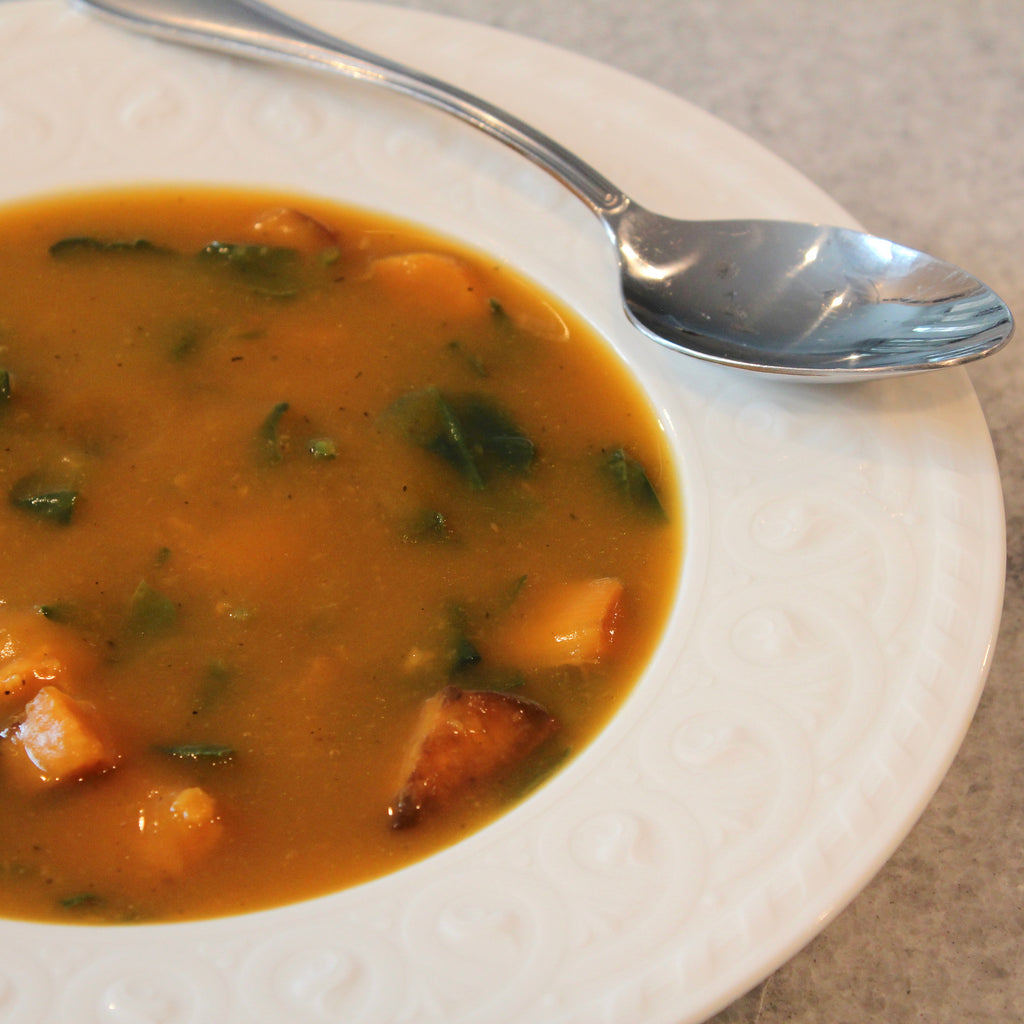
802 299
807 300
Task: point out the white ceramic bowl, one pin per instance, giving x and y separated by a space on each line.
840 597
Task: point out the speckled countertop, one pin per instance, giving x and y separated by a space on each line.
911 114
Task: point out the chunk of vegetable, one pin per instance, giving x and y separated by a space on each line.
82 244
464 738
288 227
632 483
269 270
468 431
566 624
426 525
150 612
60 737
469 359
322 448
194 806
462 651
432 279
199 751
23 678
177 828
36 651
272 444
39 498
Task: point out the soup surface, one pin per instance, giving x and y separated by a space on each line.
324 541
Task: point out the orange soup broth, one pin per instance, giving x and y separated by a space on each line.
308 616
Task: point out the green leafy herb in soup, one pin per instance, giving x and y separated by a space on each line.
323 543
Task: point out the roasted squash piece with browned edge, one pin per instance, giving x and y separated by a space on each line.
462 738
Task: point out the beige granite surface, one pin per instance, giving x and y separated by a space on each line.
911 114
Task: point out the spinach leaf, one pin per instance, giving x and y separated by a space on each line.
269 270
216 682
84 244
462 652
425 526
452 444
62 613
630 480
271 444
44 500
495 440
199 751
5 386
79 899
471 360
150 612
427 419
184 339
468 431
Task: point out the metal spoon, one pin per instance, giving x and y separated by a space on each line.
803 299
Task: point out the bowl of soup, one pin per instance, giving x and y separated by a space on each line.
388 631
332 541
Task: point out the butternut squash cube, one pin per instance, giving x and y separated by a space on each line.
59 737
286 226
432 280
568 624
463 738
177 830
194 806
35 652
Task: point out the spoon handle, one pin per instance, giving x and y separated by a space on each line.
251 29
